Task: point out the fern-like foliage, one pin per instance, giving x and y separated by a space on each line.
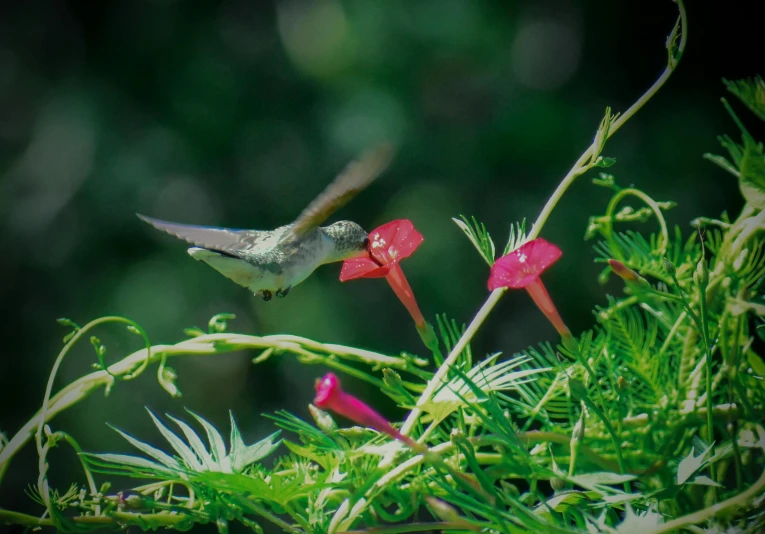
488 376
546 397
517 236
751 92
631 341
191 455
647 257
478 235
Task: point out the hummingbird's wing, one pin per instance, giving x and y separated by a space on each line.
226 240
351 181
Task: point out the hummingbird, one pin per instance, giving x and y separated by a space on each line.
271 262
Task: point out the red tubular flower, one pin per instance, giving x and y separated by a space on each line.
330 396
388 245
522 268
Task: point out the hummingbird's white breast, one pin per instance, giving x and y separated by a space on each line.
268 266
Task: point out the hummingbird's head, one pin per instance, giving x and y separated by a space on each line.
349 238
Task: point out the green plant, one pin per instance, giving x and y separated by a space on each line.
647 422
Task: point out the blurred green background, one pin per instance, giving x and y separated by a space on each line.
238 112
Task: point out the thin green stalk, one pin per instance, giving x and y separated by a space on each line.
618 123
42 451
651 203
576 171
614 438
705 334
739 330
534 436
606 314
749 227
670 336
115 518
735 504
440 376
259 510
579 167
701 321
7 517
289 507
702 282
78 450
339 366
368 357
431 427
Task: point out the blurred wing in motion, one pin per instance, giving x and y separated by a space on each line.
354 178
226 240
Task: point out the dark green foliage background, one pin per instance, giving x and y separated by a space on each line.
206 112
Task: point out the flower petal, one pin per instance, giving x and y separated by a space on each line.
394 241
327 390
363 267
524 265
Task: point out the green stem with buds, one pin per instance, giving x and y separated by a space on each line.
582 165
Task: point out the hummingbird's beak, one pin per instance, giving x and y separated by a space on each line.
359 254
364 248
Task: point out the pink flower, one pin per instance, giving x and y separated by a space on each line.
388 245
330 396
522 269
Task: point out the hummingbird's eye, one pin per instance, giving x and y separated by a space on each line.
365 243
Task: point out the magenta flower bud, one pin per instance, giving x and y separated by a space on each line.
622 271
627 274
330 396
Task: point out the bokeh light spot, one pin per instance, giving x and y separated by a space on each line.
151 294
186 200
545 53
367 118
315 35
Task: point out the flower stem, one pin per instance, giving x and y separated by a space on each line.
440 375
579 167
703 283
